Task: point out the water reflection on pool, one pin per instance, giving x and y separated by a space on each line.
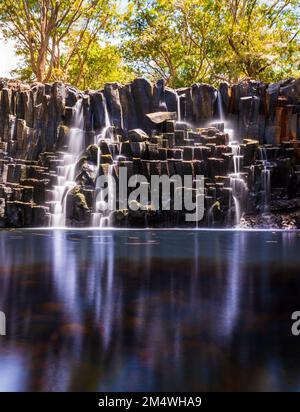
149 310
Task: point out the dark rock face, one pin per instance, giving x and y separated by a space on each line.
143 137
159 97
291 90
97 102
200 103
249 116
111 92
171 100
78 212
142 92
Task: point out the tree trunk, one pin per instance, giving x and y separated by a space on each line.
41 65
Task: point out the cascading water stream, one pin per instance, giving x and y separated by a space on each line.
266 187
265 178
100 217
66 172
178 108
237 184
220 107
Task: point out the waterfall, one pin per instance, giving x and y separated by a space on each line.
237 184
265 178
13 127
66 172
178 108
98 158
106 130
236 151
239 190
266 186
100 217
77 140
104 207
220 107
106 114
262 154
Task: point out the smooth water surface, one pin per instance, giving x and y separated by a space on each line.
149 310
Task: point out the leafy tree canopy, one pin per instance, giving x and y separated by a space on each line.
185 41
88 42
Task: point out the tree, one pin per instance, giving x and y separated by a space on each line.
257 39
42 27
159 44
185 41
102 63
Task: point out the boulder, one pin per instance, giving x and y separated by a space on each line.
160 117
18 214
71 96
77 210
137 135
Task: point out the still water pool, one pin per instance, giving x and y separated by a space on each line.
169 310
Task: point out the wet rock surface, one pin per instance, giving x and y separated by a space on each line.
56 142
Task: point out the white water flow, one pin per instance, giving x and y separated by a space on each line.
66 172
104 205
178 108
220 106
237 184
227 128
265 178
100 218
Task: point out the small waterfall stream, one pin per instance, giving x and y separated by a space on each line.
178 108
222 118
100 217
265 178
220 107
237 184
66 172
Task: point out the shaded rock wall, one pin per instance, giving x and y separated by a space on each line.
32 117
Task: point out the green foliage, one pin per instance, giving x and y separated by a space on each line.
42 28
185 41
102 64
158 43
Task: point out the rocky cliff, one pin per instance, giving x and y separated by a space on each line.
134 126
